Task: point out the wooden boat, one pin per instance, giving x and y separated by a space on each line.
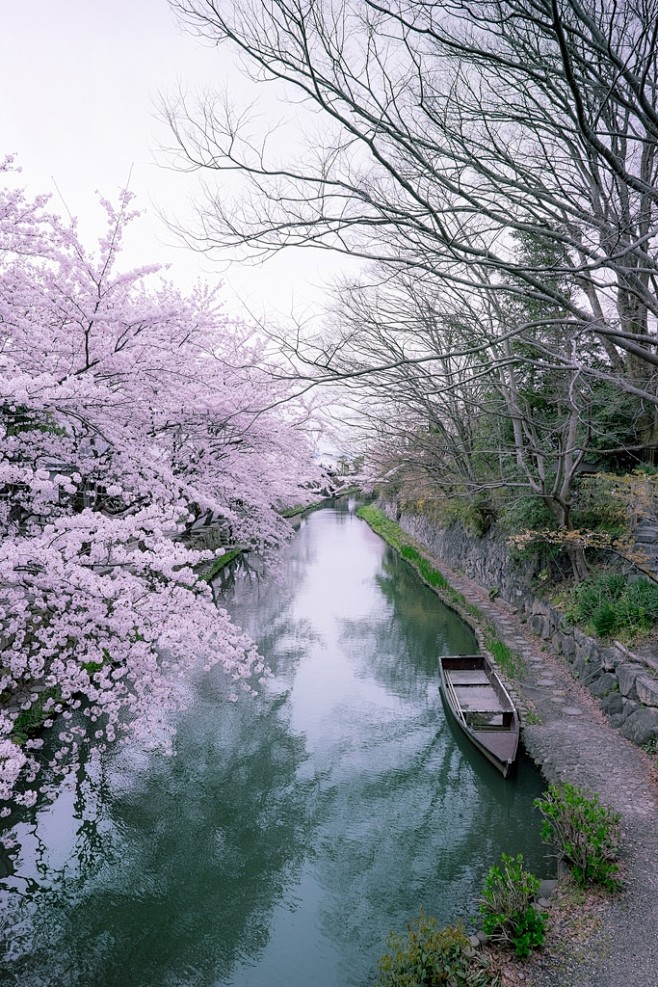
482 707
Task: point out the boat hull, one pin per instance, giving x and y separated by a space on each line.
482 707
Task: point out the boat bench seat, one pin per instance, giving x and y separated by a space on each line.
479 699
468 676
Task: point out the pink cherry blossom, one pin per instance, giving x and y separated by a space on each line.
133 420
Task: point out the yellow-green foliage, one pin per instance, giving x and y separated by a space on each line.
511 663
427 956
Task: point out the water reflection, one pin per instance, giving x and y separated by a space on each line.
293 831
196 849
400 648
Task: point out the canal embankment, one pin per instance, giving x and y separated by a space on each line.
569 737
606 940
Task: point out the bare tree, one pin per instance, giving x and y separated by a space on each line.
485 424
446 131
496 158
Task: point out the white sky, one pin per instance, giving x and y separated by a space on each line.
81 80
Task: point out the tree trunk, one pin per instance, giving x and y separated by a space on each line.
579 565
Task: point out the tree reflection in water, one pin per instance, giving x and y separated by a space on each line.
180 870
292 831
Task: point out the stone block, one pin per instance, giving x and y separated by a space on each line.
585 651
537 623
646 687
592 672
579 665
605 684
586 668
627 675
547 888
581 639
610 659
556 642
646 534
641 726
568 647
613 704
554 619
628 708
595 652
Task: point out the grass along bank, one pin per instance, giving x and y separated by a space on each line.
511 664
216 566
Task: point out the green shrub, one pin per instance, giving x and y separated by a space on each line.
431 957
651 747
601 506
526 512
584 832
507 907
605 619
639 603
610 603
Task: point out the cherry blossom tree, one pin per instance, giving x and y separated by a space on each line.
130 415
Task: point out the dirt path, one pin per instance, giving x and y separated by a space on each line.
612 943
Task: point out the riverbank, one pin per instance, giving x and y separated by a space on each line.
601 941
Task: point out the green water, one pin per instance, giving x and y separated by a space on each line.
291 832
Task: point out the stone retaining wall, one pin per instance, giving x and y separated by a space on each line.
625 683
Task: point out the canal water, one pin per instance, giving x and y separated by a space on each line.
292 831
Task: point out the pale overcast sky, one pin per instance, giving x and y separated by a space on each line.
81 80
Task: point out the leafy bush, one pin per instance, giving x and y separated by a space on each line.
520 513
584 832
638 605
651 747
610 603
605 619
506 904
431 957
601 505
